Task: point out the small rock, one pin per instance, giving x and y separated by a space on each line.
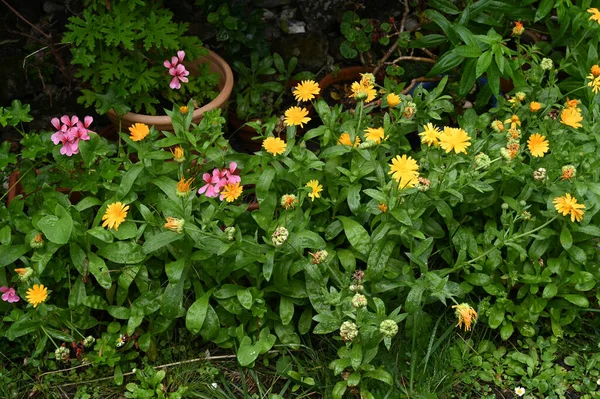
268 15
295 27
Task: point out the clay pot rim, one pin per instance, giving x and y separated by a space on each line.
218 102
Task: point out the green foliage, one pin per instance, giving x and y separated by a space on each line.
120 52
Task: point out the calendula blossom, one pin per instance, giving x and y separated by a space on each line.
382 207
456 139
363 92
183 109
289 201
514 121
37 294
571 103
376 135
430 135
571 117
178 154
296 116
538 145
183 187
405 171
568 205
231 192
534 106
274 145
115 215
392 100
345 140
595 14
316 189
518 29
306 90
138 131
175 224
466 315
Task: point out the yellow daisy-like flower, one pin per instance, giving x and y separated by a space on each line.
115 215
567 205
183 109
184 187
393 100
345 140
175 224
362 92
37 294
316 189
534 106
405 170
430 135
594 83
466 315
139 131
306 90
514 121
595 14
296 116
453 138
178 154
231 192
538 145
376 135
274 145
571 117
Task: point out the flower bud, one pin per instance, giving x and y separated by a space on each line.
37 241
62 354
358 275
367 144
539 174
89 341
497 126
183 109
280 236
482 161
289 201
24 273
423 184
367 79
522 203
520 96
359 301
568 172
230 231
356 287
547 64
121 341
175 225
319 257
388 328
504 206
178 154
348 331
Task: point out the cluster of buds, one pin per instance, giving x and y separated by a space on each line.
423 184
357 277
230 232
546 64
348 331
359 301
24 273
356 287
280 235
568 172
497 126
289 201
62 354
89 341
482 161
410 109
388 328
319 257
37 241
540 174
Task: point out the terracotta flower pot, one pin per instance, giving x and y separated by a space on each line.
345 74
163 122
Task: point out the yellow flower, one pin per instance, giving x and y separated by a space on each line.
514 121
393 100
231 192
376 135
534 106
37 294
382 207
178 154
296 116
183 109
363 92
538 145
571 117
115 215
306 90
175 224
139 131
405 171
571 103
274 145
431 135
466 315
453 138
595 71
595 14
594 84
567 205
316 189
345 140
183 187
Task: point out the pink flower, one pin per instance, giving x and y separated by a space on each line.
214 183
70 132
230 174
175 60
179 73
10 295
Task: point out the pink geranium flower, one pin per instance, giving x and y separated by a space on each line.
175 60
214 184
231 175
69 131
10 295
179 74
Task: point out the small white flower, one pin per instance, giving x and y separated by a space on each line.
598 381
520 391
214 385
120 341
134 370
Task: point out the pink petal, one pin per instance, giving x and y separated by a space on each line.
174 61
232 167
175 83
234 179
57 137
74 120
167 64
203 189
56 123
183 79
4 289
181 55
88 121
66 120
206 177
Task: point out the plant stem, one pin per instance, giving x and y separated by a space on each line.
360 112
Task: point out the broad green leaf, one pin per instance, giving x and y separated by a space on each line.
10 253
566 240
57 228
98 268
122 252
578 300
357 235
128 180
483 63
286 310
160 240
378 259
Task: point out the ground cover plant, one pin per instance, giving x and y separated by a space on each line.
427 241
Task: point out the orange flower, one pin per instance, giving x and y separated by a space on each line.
534 106
518 29
466 315
382 207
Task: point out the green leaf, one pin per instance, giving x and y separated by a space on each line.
128 180
339 389
57 228
122 252
378 259
468 51
543 9
380 375
357 235
354 197
268 265
10 253
566 240
480 279
446 62
91 149
98 268
245 298
507 330
550 291
286 310
247 353
468 78
356 356
196 314
495 316
160 240
483 63
578 300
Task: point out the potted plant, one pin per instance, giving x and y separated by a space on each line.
133 58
